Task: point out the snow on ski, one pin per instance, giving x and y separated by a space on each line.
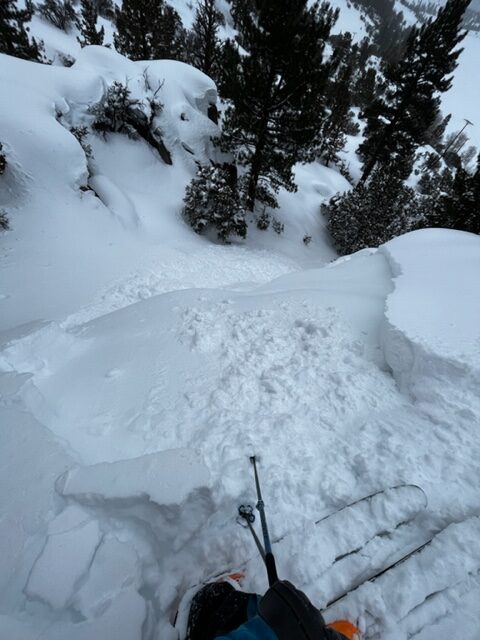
351 544
348 546
422 589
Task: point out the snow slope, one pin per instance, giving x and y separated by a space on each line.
140 366
291 370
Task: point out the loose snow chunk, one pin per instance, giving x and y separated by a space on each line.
115 567
166 477
65 558
123 620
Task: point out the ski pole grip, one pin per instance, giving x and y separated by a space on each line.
271 569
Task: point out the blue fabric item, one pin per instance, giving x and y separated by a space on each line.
254 629
252 607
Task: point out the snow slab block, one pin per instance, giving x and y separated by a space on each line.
166 477
431 334
123 620
436 301
114 569
64 560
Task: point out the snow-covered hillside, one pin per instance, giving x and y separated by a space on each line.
141 365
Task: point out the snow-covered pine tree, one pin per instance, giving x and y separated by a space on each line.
343 51
14 39
87 24
398 121
3 160
3 166
106 9
375 212
212 203
436 131
276 90
460 209
114 112
149 30
4 224
339 121
118 112
204 45
365 89
59 12
391 36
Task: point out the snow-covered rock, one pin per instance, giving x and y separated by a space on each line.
66 244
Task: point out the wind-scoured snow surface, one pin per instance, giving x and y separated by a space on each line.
140 366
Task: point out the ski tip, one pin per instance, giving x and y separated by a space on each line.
346 628
253 459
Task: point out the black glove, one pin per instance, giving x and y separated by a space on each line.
292 616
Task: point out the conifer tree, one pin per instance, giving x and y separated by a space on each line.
436 131
276 90
3 160
375 212
149 30
212 203
365 89
205 48
60 13
339 120
397 122
460 209
14 38
88 24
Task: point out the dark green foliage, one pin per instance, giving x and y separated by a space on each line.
3 166
460 209
397 121
204 46
4 224
276 91
87 24
389 33
391 37
115 112
106 9
365 89
118 112
14 38
3 160
339 121
213 203
149 30
375 212
436 131
60 13
81 134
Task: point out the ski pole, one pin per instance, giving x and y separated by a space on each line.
269 557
